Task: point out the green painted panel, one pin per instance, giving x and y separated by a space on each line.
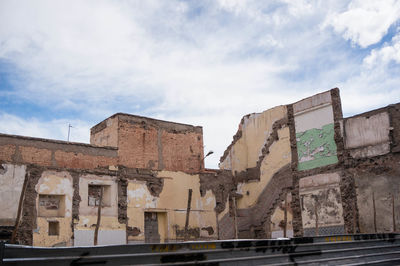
316 147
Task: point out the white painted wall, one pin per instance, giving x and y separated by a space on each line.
11 182
314 118
363 131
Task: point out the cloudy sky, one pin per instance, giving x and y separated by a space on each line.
204 63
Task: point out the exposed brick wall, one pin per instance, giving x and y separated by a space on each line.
137 146
153 144
105 133
44 152
82 161
6 152
35 155
182 151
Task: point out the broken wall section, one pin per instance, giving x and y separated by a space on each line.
372 160
259 159
250 139
319 147
162 217
315 135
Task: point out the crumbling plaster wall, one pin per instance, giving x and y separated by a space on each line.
246 148
314 123
172 203
259 159
368 135
54 183
321 196
109 212
279 156
278 219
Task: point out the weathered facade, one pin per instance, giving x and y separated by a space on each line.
298 169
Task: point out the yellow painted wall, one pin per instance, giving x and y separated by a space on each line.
279 156
255 130
278 216
171 205
54 183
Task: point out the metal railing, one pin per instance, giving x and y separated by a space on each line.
326 250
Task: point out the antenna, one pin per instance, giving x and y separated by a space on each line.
69 129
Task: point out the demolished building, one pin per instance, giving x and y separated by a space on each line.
294 170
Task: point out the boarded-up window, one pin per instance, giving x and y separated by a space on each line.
51 205
54 228
94 192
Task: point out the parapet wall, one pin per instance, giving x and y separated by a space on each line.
62 154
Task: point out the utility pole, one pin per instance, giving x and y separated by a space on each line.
69 130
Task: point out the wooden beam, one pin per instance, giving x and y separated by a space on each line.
374 209
285 217
19 211
235 217
316 219
187 214
393 214
96 231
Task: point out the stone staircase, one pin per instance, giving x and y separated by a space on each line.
251 222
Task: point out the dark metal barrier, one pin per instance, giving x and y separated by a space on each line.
339 249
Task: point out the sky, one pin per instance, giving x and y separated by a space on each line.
205 63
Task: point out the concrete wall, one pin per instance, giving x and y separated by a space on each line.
314 123
381 185
11 181
368 135
320 194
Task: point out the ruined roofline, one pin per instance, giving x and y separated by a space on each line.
54 141
138 119
315 96
238 133
372 112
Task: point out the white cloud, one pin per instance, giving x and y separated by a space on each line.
203 63
365 22
54 129
384 55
